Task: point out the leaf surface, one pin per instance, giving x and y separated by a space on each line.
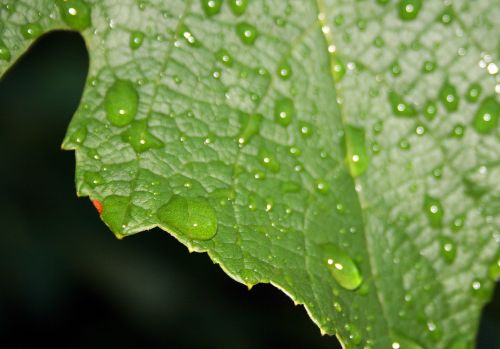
345 151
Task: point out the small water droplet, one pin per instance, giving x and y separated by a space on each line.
448 249
75 13
188 36
284 111
458 131
211 7
434 211
395 69
338 68
247 33
447 16
342 267
322 186
250 127
224 57
284 70
268 160
121 103
136 40
31 30
429 66
238 7
486 117
354 334
193 217
93 179
403 342
458 223
337 307
357 158
409 9
140 138
400 107
305 129
430 110
79 135
449 97
473 92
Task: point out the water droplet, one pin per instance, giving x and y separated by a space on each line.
193 217
322 186
294 151
486 117
31 30
136 40
75 13
79 135
238 7
211 7
357 158
447 16
400 107
284 70
247 33
378 42
250 127
434 211
121 103
140 138
338 68
458 131
354 334
337 307
188 36
93 179
4 52
115 209
224 57
409 9
448 249
429 66
473 92
430 110
268 160
449 97
403 342
395 69
404 144
458 223
341 267
305 129
284 111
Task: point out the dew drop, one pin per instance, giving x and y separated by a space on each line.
400 107
342 267
75 13
486 117
357 158
354 334
268 160
429 66
409 9
121 103
284 70
188 36
93 179
403 342
211 7
458 131
458 223
251 126
136 40
473 92
284 111
434 211
79 135
31 30
395 69
430 110
224 57
4 52
449 97
305 129
247 33
447 16
322 186
192 217
238 7
338 68
140 138
448 249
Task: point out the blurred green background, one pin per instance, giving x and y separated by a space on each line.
66 281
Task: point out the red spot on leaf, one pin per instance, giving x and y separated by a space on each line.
98 206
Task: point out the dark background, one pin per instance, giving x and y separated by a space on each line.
66 281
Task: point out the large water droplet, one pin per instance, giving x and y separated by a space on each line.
75 13
247 33
31 30
4 52
449 97
140 138
400 107
250 127
341 267
136 40
434 211
357 158
409 9
284 111
121 103
486 117
238 7
192 217
211 7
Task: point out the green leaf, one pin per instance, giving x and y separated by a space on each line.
344 151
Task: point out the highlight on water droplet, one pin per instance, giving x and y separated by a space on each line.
284 111
250 127
409 9
247 33
136 39
449 97
121 103
341 266
75 13
31 30
238 7
357 157
434 211
486 117
400 107
211 7
192 217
